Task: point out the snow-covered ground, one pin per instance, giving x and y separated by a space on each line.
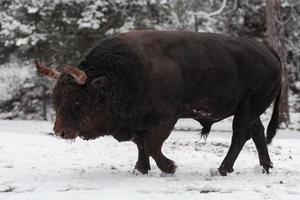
36 165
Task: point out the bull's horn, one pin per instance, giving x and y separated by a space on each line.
79 75
48 71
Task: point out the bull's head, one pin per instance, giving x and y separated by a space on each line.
76 104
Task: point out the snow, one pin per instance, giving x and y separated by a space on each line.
12 77
36 165
297 85
22 41
92 16
32 10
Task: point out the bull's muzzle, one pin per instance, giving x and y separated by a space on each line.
59 132
65 134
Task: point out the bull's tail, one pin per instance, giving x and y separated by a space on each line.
273 124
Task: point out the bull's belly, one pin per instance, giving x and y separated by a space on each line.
207 110
206 116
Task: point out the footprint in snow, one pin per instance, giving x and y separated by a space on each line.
214 172
6 188
205 189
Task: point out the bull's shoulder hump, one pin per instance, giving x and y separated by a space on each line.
203 43
141 37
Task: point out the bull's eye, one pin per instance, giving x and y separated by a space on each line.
77 104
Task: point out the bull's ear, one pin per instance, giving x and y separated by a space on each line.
100 82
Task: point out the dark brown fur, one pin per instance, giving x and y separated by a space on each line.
140 83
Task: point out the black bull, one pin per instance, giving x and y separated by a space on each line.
135 86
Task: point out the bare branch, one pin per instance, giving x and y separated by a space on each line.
209 15
235 4
291 14
220 9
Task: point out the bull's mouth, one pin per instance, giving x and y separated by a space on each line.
68 134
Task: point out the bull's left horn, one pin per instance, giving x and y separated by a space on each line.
47 71
79 75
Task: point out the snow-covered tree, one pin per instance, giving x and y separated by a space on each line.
62 31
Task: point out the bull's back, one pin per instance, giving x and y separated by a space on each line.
205 71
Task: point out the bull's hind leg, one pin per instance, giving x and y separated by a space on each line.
242 123
153 141
143 164
260 142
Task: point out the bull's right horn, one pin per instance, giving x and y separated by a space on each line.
47 71
79 75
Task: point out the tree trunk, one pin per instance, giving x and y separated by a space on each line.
44 99
275 36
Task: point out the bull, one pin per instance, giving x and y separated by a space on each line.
136 85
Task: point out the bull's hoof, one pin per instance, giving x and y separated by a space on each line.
143 168
267 166
169 167
224 171
172 168
139 172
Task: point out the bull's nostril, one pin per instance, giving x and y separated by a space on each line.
62 134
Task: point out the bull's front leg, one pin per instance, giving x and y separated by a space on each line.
143 164
127 134
153 141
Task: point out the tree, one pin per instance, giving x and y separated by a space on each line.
275 38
